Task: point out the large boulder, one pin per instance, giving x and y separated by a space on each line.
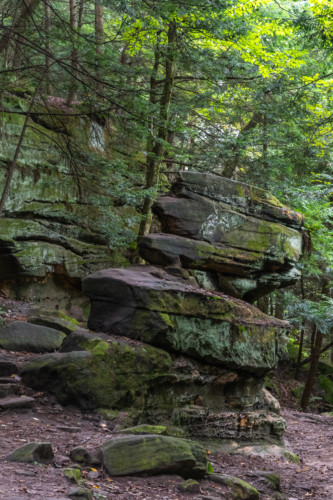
21 336
111 375
146 303
242 197
200 218
247 274
241 233
185 396
132 455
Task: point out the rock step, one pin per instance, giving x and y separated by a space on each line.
22 402
9 380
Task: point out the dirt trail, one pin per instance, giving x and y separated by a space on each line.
309 435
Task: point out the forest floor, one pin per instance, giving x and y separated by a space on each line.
309 435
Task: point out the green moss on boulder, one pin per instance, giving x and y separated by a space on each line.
32 452
291 456
326 385
21 336
145 429
239 488
116 378
151 455
145 303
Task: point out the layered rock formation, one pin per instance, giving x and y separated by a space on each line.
242 235
53 232
225 240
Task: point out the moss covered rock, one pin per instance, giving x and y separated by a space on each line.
241 233
79 494
109 376
291 456
32 452
272 479
53 227
200 218
148 304
325 368
145 429
72 474
240 196
82 340
60 324
189 486
21 336
298 391
133 455
240 490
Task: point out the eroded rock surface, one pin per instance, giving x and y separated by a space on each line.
32 452
21 336
146 303
222 241
241 233
110 375
52 232
125 456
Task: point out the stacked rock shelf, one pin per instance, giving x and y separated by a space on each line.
179 342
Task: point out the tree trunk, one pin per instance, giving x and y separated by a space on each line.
299 357
12 166
99 39
74 55
315 355
263 304
47 12
81 7
156 148
20 23
324 349
300 348
233 163
279 309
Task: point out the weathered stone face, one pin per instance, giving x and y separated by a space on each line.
109 375
166 249
53 232
197 399
130 455
21 336
243 197
241 233
148 304
200 218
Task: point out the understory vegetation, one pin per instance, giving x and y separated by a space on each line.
242 89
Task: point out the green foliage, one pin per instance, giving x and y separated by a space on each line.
210 468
